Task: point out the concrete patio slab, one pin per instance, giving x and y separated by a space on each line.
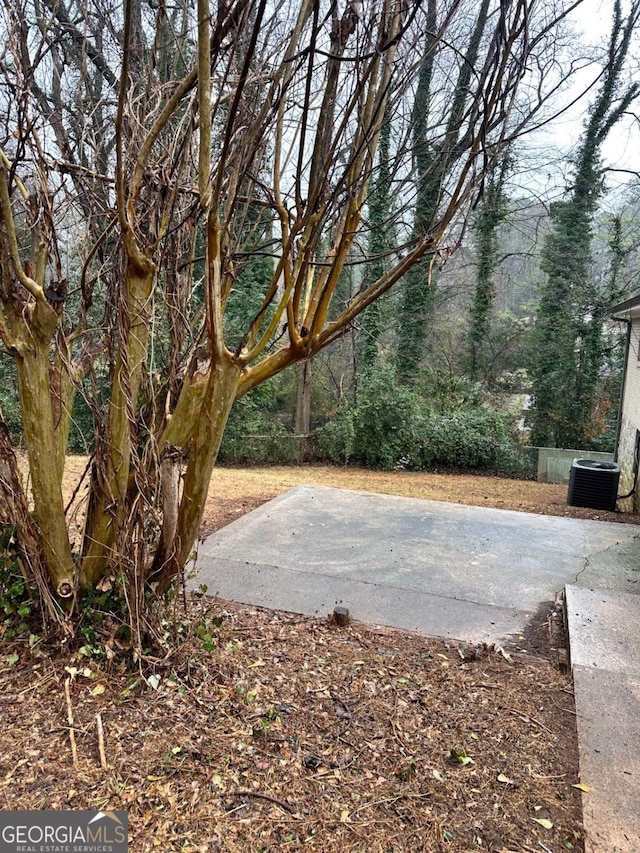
604 635
449 570
471 574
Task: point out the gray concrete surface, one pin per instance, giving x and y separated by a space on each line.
448 570
604 633
472 574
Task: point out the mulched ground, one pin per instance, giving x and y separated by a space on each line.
264 731
259 731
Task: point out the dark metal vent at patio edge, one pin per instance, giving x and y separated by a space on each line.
593 484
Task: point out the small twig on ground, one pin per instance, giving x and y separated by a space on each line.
527 718
375 803
347 714
266 797
103 755
72 734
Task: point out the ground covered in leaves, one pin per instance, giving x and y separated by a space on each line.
265 731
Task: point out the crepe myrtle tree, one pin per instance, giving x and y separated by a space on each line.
149 155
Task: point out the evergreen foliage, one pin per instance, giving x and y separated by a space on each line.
491 212
568 344
391 426
380 241
435 152
256 414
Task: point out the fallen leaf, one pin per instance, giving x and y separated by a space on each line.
505 779
582 787
153 681
543 821
98 690
460 757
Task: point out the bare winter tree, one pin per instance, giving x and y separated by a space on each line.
150 154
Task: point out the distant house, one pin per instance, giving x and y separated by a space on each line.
628 438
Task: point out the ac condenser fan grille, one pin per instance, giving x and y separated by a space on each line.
593 484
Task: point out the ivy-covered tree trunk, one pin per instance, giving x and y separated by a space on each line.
567 339
380 242
489 215
438 144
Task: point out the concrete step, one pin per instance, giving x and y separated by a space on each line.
604 640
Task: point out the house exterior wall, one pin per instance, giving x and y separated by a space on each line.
630 420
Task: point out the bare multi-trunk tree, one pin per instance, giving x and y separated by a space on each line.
149 155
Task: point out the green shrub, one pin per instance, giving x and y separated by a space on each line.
382 429
256 414
463 439
336 439
475 438
392 426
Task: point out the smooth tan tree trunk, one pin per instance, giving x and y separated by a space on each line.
303 403
109 486
45 466
203 451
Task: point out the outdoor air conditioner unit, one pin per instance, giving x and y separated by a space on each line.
593 484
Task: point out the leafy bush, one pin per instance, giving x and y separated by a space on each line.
382 429
391 426
447 391
474 438
256 414
336 439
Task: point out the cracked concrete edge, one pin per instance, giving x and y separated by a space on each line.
620 545
616 568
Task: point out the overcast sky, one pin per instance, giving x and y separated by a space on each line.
622 148
544 167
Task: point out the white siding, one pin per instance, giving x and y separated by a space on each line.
630 421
